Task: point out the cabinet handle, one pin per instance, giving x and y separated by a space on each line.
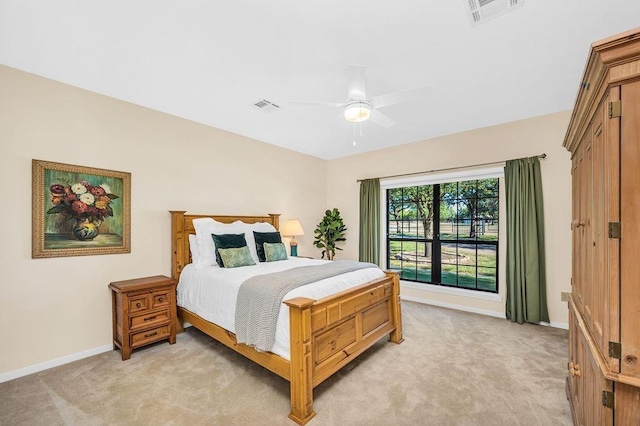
574 370
138 305
151 334
160 299
150 318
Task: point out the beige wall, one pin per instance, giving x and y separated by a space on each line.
51 308
512 140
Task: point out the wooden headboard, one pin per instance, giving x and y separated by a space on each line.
182 226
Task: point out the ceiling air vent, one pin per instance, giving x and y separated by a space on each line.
266 106
482 10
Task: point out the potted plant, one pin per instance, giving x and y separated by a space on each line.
329 231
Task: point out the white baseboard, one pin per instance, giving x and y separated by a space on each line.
453 306
424 287
5 377
475 310
555 325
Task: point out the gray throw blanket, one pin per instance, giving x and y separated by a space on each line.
260 298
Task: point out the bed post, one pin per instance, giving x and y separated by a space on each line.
177 253
177 243
301 360
275 220
396 312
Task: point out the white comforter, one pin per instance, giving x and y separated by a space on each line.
211 292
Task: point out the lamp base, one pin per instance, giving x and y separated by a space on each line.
294 251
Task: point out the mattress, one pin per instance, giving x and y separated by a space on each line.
211 292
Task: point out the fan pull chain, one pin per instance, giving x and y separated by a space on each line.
354 134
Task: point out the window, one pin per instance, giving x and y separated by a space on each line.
445 233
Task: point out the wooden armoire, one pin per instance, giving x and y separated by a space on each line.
603 383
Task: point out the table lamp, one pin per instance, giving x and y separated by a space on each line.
292 229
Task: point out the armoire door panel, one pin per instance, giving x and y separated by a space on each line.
576 230
627 396
594 384
630 219
599 235
574 359
586 379
585 188
612 214
586 241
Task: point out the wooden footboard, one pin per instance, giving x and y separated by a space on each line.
325 334
329 333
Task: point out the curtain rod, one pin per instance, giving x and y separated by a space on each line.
447 169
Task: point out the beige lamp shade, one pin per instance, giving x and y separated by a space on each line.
292 228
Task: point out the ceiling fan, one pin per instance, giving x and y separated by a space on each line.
359 107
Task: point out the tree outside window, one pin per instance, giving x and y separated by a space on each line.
446 233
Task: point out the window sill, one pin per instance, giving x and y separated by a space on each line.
493 297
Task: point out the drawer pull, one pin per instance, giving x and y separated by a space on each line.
138 305
160 299
150 318
151 334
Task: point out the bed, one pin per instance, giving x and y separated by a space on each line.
324 334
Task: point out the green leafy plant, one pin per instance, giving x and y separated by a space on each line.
328 232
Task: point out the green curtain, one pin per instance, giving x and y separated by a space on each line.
370 221
526 277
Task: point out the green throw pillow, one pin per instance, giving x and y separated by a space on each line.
265 237
275 251
226 241
235 257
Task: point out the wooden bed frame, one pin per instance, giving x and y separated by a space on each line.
325 334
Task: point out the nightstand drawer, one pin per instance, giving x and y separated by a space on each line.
144 337
138 303
160 299
149 319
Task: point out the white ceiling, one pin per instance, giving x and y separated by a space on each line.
210 60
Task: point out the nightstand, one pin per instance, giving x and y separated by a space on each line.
144 311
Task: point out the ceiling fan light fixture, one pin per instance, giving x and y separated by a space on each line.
357 112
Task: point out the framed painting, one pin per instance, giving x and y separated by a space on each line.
79 211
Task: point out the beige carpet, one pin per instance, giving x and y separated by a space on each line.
454 368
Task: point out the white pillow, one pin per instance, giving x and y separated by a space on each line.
194 249
204 228
248 229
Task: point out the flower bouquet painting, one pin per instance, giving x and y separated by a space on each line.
79 210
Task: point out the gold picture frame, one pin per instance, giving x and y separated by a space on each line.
79 211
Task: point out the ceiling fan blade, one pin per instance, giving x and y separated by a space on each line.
357 85
410 95
381 119
323 104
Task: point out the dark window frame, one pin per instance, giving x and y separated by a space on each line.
437 243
